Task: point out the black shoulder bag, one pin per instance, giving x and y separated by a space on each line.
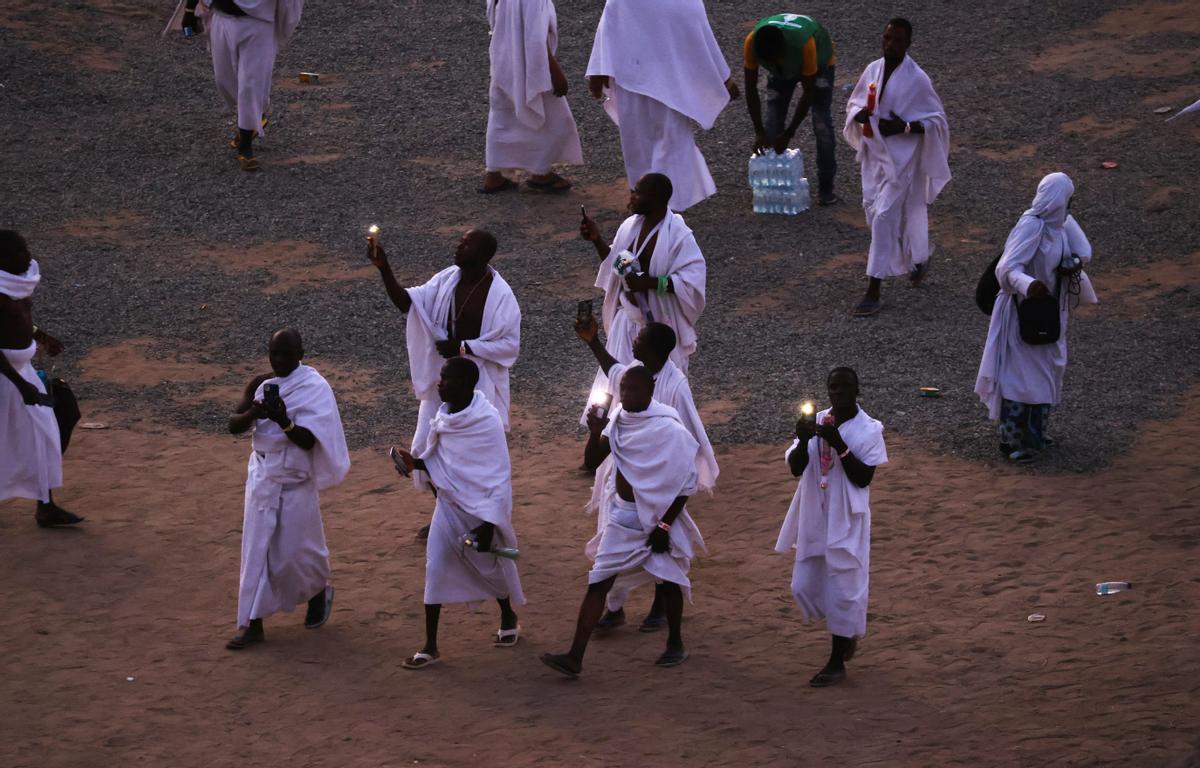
1040 318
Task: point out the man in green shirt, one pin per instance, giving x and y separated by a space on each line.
793 49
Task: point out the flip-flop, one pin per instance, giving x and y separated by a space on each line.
555 184
653 624
508 184
328 610
919 273
867 308
610 621
556 663
825 679
420 660
248 163
243 640
672 658
507 638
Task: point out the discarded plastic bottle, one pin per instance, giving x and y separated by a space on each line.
1112 587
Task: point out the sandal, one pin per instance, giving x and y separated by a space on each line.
507 638
420 660
867 308
559 663
504 187
555 183
672 657
248 163
825 679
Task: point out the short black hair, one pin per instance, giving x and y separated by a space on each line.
660 186
843 369
902 23
768 43
12 244
643 373
487 241
662 338
465 369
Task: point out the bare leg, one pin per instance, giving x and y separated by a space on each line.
870 301
675 654
590 611
835 669
508 617
432 614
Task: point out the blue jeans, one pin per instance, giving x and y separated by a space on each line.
779 98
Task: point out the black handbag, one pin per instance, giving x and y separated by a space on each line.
988 288
1040 318
66 410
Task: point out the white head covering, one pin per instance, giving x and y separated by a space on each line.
1054 192
20 286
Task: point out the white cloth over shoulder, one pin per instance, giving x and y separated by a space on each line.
30 445
529 128
677 256
671 388
467 457
665 69
285 561
830 531
903 174
1010 369
655 453
495 351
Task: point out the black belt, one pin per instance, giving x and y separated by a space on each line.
228 7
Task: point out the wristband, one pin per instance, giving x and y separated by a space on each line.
844 454
291 425
664 526
662 284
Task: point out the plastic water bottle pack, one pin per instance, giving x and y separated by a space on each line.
778 182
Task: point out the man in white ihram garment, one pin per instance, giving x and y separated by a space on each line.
652 349
897 126
245 36
466 310
465 457
828 525
649 535
1044 256
666 280
661 73
31 442
530 126
298 450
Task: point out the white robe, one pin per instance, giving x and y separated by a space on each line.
671 388
284 558
830 531
495 351
656 454
665 73
31 449
1010 369
467 457
243 54
529 128
903 174
677 256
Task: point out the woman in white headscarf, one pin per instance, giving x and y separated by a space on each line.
1018 381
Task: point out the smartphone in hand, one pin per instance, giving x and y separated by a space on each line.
401 467
583 311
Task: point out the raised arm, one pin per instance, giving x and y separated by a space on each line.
248 409
597 448
859 473
589 332
590 232
395 291
798 458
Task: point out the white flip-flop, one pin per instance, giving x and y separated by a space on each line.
503 635
420 660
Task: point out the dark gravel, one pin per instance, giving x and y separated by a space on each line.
148 139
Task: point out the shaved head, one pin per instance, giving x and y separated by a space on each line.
285 351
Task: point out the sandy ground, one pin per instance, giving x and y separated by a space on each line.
166 268
112 634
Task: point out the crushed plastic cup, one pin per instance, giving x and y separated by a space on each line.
1034 618
1109 164
1163 110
